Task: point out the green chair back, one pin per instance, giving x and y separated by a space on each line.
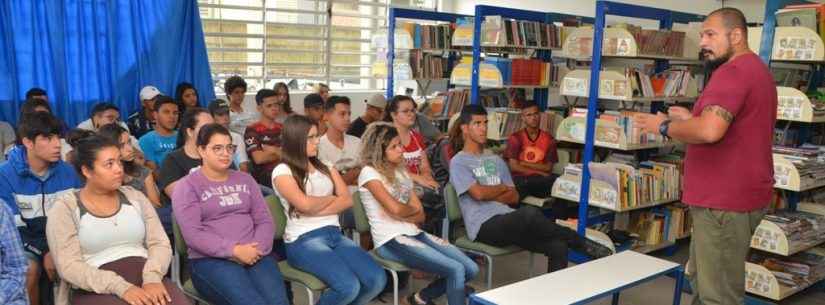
362 223
451 198
180 244
278 215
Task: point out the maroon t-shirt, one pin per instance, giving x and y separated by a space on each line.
520 146
256 136
736 173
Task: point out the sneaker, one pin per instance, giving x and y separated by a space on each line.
596 250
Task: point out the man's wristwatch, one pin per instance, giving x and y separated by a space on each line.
663 128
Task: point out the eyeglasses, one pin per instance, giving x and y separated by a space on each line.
230 149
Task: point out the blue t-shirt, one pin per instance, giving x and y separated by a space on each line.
486 170
155 147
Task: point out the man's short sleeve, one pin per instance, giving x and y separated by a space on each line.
727 89
504 172
461 175
252 140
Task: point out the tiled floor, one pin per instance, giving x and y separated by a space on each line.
660 291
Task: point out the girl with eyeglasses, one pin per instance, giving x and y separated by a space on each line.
313 194
227 227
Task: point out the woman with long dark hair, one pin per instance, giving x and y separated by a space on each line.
282 92
227 227
187 96
106 240
135 175
313 195
401 113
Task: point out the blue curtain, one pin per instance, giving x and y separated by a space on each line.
87 51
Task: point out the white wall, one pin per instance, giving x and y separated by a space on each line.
753 9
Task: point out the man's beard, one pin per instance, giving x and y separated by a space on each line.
712 64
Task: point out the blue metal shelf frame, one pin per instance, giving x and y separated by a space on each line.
539 95
404 13
666 19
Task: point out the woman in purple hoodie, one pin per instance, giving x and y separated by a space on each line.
227 228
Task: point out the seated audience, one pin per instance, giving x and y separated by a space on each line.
13 261
314 109
220 114
374 112
72 138
160 141
282 91
531 153
102 114
187 96
181 161
228 228
322 90
7 139
263 138
108 245
313 195
240 118
143 120
485 189
30 180
341 150
135 175
393 211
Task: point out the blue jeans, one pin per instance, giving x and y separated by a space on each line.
352 275
222 281
434 255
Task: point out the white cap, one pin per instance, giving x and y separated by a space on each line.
377 100
148 93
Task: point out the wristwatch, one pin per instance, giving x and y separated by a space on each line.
664 127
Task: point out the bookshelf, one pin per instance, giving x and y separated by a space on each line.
615 85
794 105
796 45
404 41
621 43
602 194
588 129
489 76
609 134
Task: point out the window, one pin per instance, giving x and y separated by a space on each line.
299 42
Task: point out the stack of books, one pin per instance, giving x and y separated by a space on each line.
799 227
811 16
680 221
673 82
652 182
628 126
429 36
799 270
507 32
428 66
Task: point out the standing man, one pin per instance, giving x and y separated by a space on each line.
728 163
374 112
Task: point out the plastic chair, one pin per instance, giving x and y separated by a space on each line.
179 263
362 226
462 242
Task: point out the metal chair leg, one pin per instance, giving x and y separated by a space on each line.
394 287
310 296
489 271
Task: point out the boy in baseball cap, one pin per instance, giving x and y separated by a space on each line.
373 112
143 120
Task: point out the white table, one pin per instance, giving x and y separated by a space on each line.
586 282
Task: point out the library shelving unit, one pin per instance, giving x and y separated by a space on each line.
402 13
481 74
593 132
619 42
797 45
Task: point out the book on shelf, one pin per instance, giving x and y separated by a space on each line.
428 66
799 228
627 124
651 227
669 83
524 71
649 42
506 122
649 183
680 221
795 271
498 31
429 36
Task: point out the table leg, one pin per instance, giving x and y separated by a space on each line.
616 298
679 275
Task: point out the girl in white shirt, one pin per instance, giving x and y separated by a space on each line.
393 210
313 194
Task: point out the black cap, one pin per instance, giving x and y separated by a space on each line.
218 107
101 107
313 100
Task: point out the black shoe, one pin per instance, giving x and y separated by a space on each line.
469 290
411 300
596 250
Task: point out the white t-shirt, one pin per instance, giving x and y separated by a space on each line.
240 150
382 226
106 239
317 185
331 154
